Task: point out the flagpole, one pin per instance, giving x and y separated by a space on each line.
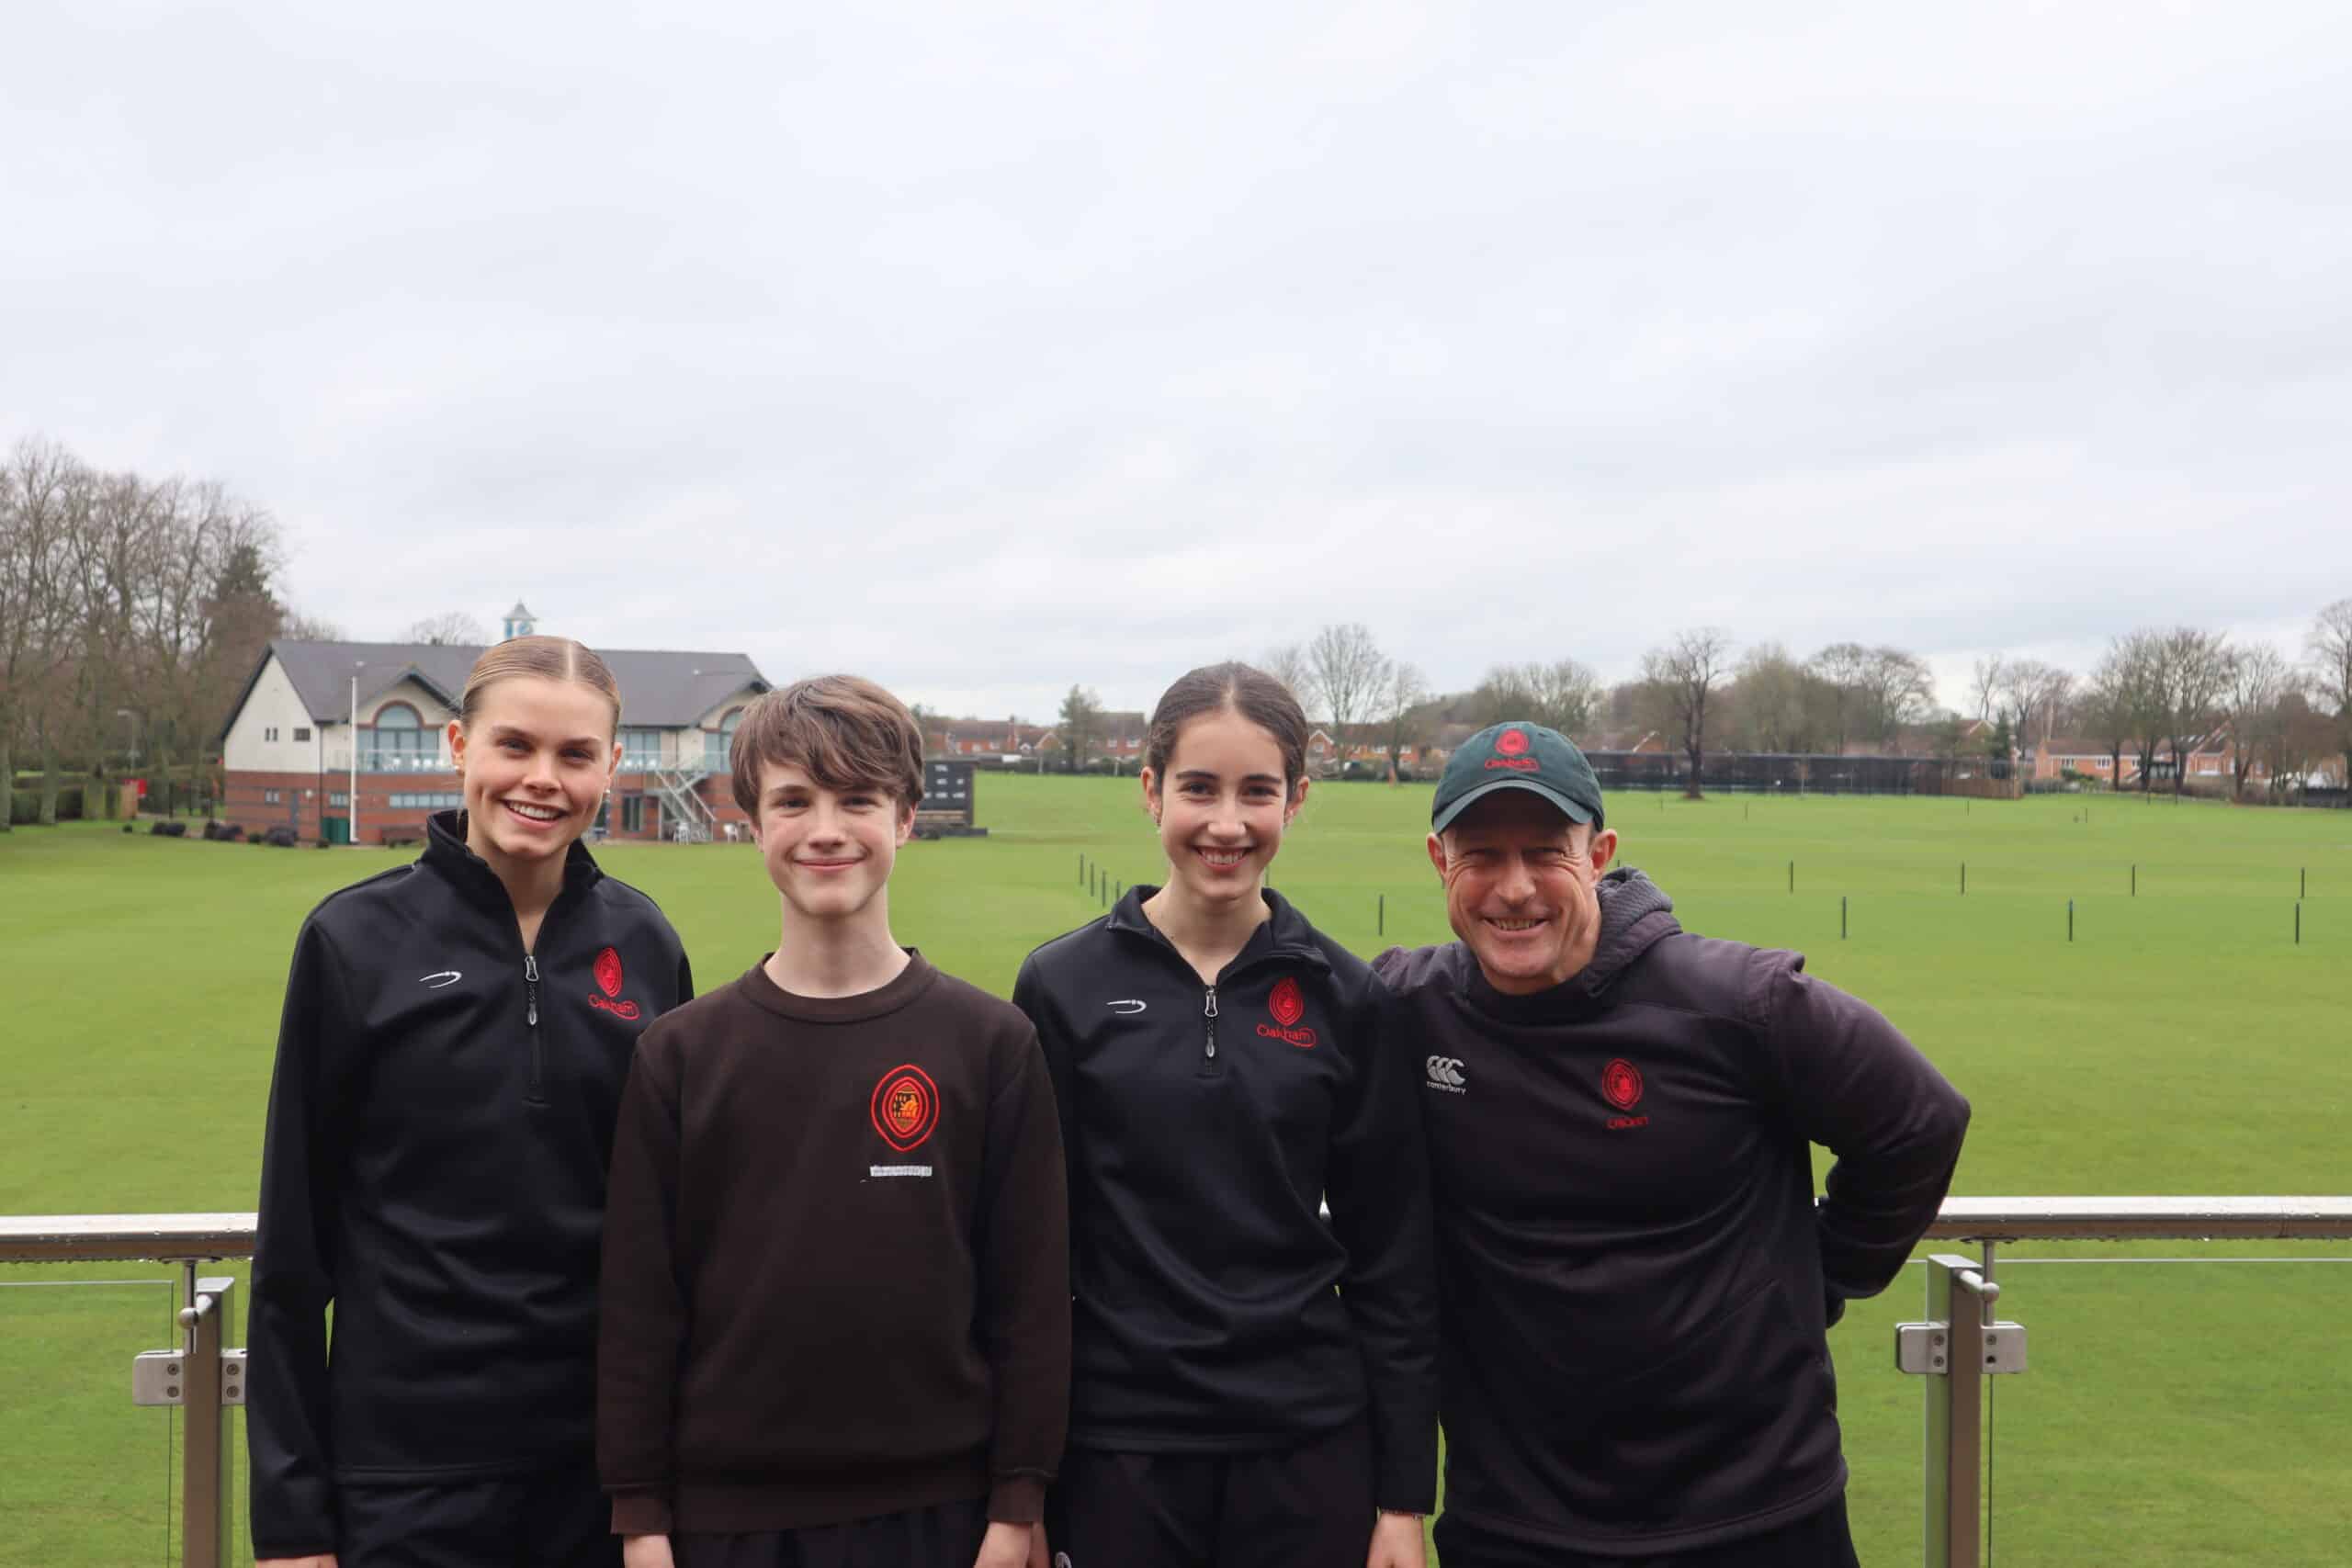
353 798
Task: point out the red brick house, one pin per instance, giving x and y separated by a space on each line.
295 740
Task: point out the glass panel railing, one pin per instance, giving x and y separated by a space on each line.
2181 1403
430 762
89 1479
2177 1408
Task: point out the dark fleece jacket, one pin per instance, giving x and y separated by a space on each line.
1635 1278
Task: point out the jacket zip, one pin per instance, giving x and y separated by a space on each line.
1208 1053
538 1093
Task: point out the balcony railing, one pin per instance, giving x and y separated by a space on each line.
1956 1348
389 760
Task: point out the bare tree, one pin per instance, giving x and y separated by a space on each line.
297 626
1774 702
2330 646
1563 694
1401 703
2193 673
1841 668
450 629
1897 689
1684 675
1287 664
2116 702
2255 679
1082 715
1989 676
2032 689
35 605
1348 671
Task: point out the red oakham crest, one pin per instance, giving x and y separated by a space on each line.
608 973
905 1107
1512 742
1287 1006
1622 1082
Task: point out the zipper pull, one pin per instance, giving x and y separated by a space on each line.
1210 1009
531 979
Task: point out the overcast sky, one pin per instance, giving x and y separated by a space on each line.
988 348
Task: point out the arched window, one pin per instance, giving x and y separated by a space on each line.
404 745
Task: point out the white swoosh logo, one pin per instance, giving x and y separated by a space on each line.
446 977
1128 1005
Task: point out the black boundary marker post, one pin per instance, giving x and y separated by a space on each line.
2070 920
2135 881
1841 916
1792 876
2299 923
2303 886
1964 879
1381 928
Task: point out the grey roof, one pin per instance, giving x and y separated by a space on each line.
660 689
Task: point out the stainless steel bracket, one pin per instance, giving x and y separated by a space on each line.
159 1377
1924 1349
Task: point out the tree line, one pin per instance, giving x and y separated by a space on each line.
2154 693
131 611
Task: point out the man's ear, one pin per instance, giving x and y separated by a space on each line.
906 820
1437 855
1602 848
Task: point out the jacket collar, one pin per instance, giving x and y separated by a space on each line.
1287 935
446 851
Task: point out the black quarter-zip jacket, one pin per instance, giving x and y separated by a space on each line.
1215 1310
1636 1278
440 1119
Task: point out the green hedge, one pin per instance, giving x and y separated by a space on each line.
75 801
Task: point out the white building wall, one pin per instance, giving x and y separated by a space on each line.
273 704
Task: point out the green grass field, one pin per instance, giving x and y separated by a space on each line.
2182 1042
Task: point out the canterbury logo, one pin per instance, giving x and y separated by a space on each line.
1445 1074
1126 1004
445 977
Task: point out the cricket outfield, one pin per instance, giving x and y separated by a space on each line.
2183 1040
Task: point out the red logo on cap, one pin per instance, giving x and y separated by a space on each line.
1622 1082
905 1107
1512 742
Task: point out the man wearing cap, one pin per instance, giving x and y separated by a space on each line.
1635 1280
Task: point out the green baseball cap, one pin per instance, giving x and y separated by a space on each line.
1517 755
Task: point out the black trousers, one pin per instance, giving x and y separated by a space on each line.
556 1520
946 1535
1818 1540
1305 1506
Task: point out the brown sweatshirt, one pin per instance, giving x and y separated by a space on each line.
836 1261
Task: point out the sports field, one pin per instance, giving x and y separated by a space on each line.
2181 1043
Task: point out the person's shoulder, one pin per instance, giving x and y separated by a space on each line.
1709 974
1069 952
351 912
983 1012
627 901
719 1014
1405 970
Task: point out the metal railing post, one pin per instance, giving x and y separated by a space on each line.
1955 1419
206 1506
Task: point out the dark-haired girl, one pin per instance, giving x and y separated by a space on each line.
449 1067
1251 1382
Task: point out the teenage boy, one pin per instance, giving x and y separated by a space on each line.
836 1293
